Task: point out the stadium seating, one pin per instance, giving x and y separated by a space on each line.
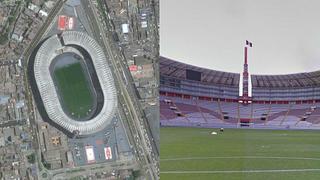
49 95
212 99
203 113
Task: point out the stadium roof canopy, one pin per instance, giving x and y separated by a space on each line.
289 80
45 55
177 69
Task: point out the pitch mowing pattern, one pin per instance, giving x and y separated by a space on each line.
239 154
74 89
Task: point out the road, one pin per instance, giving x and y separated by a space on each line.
25 56
142 141
91 169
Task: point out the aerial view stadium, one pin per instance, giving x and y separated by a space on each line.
221 125
79 91
86 115
71 66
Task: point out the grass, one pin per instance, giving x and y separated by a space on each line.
3 38
74 90
238 150
31 158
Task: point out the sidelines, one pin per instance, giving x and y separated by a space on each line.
244 171
240 157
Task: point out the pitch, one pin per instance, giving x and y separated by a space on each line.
74 89
239 154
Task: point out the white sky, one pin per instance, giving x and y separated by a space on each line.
212 33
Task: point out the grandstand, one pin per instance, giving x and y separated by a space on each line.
211 99
101 77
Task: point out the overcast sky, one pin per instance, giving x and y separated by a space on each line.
212 33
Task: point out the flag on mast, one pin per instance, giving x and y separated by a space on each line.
248 43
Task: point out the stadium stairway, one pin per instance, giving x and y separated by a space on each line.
268 114
199 109
285 116
182 109
220 110
314 117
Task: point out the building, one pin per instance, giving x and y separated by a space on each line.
53 110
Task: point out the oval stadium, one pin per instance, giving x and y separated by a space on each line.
74 83
199 97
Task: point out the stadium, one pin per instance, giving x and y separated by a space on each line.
194 96
73 84
221 125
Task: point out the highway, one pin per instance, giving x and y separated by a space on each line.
56 9
28 93
26 55
119 53
121 110
137 45
134 118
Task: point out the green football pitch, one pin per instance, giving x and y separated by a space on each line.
239 154
74 90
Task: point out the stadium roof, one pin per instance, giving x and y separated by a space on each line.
309 79
177 69
49 95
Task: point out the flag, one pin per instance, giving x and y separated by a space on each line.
248 43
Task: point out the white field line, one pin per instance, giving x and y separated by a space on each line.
241 171
240 157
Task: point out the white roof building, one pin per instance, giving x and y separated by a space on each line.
125 28
144 24
43 13
33 7
17 37
90 154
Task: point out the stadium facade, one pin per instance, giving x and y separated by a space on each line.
194 96
100 75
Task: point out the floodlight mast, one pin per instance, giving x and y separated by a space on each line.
245 99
